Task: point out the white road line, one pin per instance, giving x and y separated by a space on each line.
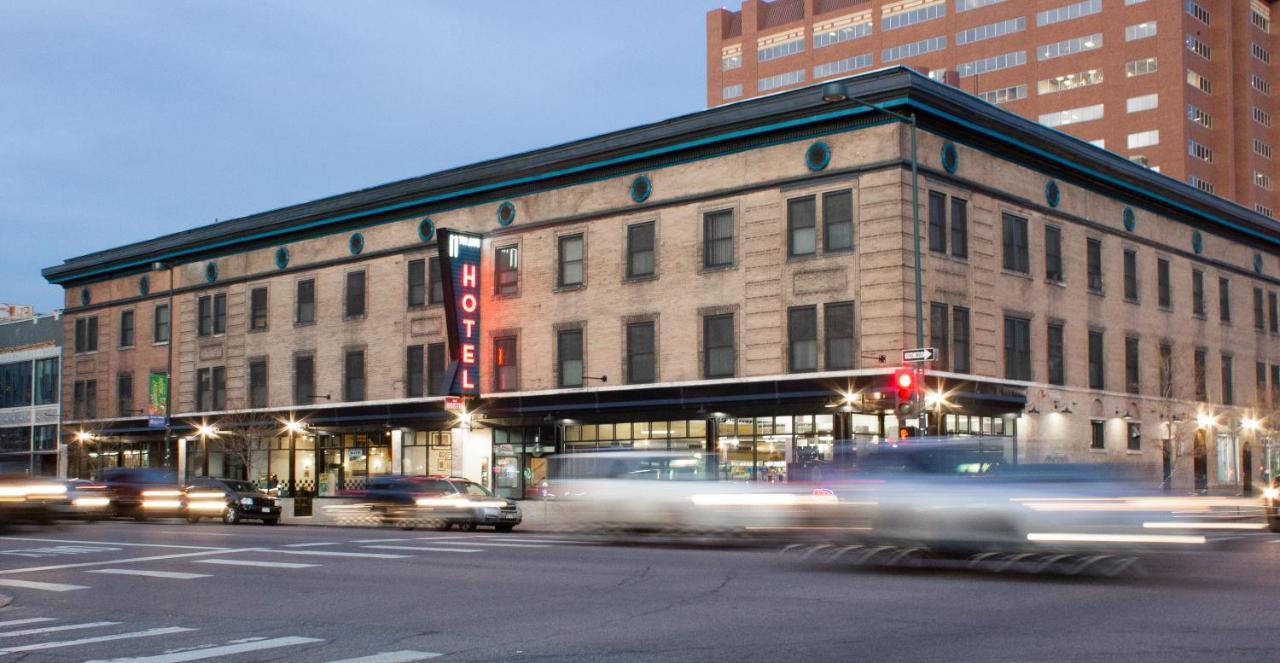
152 574
212 652
550 541
46 586
403 538
249 562
167 630
56 567
188 532
32 620
53 629
110 543
309 545
330 553
402 656
495 545
426 549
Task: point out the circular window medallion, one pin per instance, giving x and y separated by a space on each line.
356 244
506 214
282 257
144 286
1130 219
1052 194
641 188
1197 242
817 156
1257 263
426 230
84 297
950 157
211 271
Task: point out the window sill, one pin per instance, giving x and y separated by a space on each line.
353 318
159 343
1092 450
311 323
1058 283
125 347
837 252
712 269
640 279
1199 316
1166 309
1022 275
257 331
804 257
1133 452
506 295
1135 302
1097 293
570 288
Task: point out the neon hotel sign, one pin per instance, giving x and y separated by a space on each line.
460 275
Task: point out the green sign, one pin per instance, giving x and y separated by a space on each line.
158 390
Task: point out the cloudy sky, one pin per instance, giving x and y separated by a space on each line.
126 120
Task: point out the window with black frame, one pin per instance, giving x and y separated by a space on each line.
1017 348
258 383
837 221
305 302
1197 293
719 356
569 358
413 371
353 380
304 379
937 222
717 239
506 375
1093 260
802 338
1053 254
436 366
641 254
435 286
416 283
841 346
1097 359
124 395
160 324
1014 237
126 328
960 339
939 334
258 309
1132 367
571 271
506 271
641 353
355 300
1056 362
802 226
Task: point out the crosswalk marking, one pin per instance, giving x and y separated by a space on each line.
402 656
330 553
46 586
108 543
426 549
310 545
494 544
152 574
382 540
167 630
506 539
247 562
32 620
54 629
110 562
213 652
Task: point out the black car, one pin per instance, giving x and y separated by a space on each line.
231 500
439 501
142 493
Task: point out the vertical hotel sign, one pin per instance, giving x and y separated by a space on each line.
460 276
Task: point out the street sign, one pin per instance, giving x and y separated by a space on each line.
455 404
919 354
155 421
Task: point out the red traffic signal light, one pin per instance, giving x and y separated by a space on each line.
905 382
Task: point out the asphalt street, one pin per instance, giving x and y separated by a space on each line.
168 591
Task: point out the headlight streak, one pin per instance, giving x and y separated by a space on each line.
161 504
1076 537
1202 525
161 493
90 502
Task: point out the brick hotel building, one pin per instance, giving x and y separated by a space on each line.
1182 86
723 283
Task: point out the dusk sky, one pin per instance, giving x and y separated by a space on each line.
127 120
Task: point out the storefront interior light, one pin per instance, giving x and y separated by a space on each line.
205 430
1251 424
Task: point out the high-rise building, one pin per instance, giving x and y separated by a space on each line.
1184 87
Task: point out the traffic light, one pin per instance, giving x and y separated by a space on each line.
906 389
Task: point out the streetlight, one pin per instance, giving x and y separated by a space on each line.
205 432
292 427
168 370
83 438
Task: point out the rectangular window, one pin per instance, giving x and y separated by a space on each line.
837 221
780 50
436 366
1053 254
937 222
1097 434
435 283
902 19
305 305
257 309
731 91
1164 285
413 371
1097 361
124 395
1260 16
802 338
211 389
204 316
1132 370
1140 31
838 334
1166 371
939 334
835 32
1202 152
719 357
1199 374
640 250
1262 117
85 399
506 374
416 283
960 339
353 376
959 227
304 379
1262 179
1056 365
991 30
1199 48
569 358
1224 301
1072 116
126 328
1199 82
1004 95
258 383
1071 81
1131 275
15 385
781 80
1134 431
1200 117
506 271
87 334
1140 67
1017 348
1142 139
220 313
1198 12
717 239
47 386
1260 84
1260 382
729 62
1068 12
913 49
802 226
1093 259
993 63
1069 47
1259 322
1145 102
1273 313
1014 234
1197 293
641 353
1228 384
355 295
160 324
842 66
966 5
1260 53
1275 385
571 257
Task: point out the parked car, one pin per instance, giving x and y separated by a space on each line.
143 492
231 500
439 501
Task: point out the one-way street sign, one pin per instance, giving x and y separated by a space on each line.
919 354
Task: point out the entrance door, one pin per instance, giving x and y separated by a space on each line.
1200 462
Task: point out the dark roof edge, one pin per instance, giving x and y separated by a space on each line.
936 103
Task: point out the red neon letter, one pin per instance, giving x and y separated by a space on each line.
466 380
469 303
468 353
470 326
469 275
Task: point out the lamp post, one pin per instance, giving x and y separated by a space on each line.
83 438
168 369
205 432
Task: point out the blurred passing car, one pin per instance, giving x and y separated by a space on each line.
439 501
1271 504
142 493
231 500
84 500
25 499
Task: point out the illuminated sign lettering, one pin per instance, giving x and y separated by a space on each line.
460 275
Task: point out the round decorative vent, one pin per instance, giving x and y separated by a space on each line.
211 271
641 188
950 157
356 244
426 230
1052 194
1130 219
282 257
506 214
817 156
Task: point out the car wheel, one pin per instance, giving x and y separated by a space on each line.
230 516
471 526
445 526
193 519
503 528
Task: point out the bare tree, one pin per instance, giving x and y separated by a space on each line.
241 434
